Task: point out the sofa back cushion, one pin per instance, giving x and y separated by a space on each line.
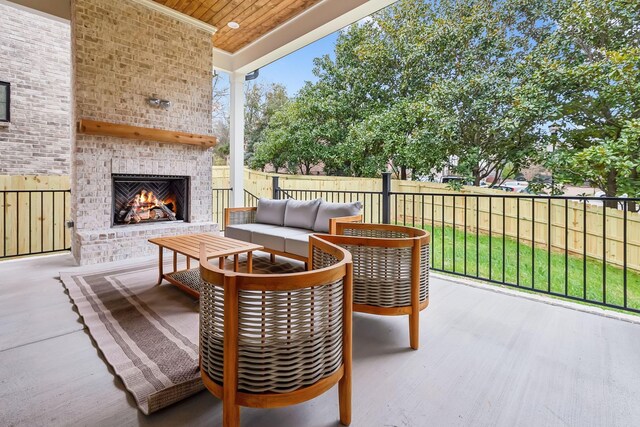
334 210
271 211
301 214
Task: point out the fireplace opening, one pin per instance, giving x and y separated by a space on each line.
144 199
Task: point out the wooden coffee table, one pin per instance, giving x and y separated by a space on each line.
189 245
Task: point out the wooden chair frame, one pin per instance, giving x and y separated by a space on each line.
233 283
416 240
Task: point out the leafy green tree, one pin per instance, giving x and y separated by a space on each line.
262 101
220 120
590 66
483 86
420 82
295 138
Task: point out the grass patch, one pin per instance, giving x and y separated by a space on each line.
505 260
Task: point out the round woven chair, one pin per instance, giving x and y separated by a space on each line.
390 270
270 340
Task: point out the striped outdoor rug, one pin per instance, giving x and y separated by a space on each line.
147 333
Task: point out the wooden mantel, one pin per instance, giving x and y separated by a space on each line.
92 127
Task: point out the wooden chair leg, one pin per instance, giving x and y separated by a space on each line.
414 330
273 258
344 397
230 415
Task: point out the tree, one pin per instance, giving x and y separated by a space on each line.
482 87
220 120
262 101
590 66
295 138
420 82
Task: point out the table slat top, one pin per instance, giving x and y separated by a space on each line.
216 246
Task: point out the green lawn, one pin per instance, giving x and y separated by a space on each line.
491 267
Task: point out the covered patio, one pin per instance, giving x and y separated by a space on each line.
488 357
142 85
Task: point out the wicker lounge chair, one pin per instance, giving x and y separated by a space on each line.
287 337
390 270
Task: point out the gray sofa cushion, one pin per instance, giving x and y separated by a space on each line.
334 210
298 244
274 238
243 231
271 211
301 214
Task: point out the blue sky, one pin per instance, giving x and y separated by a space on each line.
295 69
292 71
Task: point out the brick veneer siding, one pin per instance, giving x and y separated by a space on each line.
35 57
123 53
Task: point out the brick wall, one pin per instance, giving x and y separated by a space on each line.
35 59
124 53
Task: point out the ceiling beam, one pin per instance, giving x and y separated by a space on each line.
315 23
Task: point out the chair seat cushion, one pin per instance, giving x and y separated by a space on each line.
301 214
243 231
274 238
298 244
327 211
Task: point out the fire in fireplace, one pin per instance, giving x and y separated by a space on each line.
141 199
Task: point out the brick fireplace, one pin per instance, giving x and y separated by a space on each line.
114 75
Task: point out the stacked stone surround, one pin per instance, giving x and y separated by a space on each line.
35 57
124 53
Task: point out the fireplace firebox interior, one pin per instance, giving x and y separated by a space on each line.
143 199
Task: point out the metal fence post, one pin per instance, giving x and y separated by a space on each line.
275 187
386 197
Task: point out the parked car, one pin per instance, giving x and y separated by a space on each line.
451 178
504 188
516 184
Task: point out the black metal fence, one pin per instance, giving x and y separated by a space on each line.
580 248
33 222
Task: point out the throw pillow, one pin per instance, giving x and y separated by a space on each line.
301 214
271 211
333 210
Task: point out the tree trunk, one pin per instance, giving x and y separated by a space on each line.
633 206
611 190
403 173
476 177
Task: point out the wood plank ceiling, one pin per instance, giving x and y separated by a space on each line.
256 17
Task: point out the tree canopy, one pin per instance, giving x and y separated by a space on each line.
420 84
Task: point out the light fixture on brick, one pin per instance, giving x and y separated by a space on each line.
157 102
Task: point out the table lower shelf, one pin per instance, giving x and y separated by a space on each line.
187 280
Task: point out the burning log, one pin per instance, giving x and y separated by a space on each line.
146 207
131 215
167 212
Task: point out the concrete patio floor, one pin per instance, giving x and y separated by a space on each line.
486 359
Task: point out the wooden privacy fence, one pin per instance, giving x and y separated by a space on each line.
33 211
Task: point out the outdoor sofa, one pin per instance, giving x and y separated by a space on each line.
283 227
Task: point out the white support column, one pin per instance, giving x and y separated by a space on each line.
236 139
